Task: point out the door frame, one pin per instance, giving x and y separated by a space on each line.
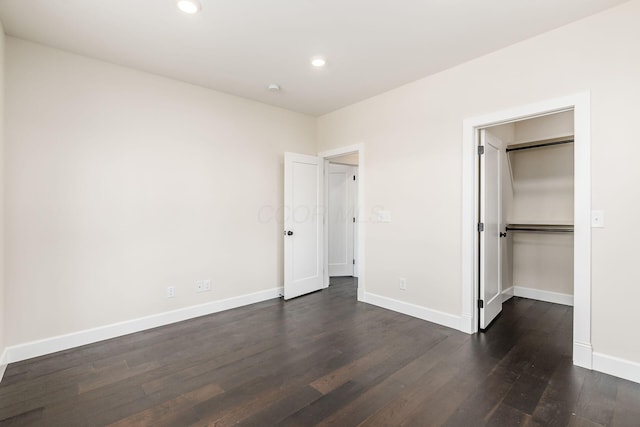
581 105
360 223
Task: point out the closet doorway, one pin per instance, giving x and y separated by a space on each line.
580 105
526 213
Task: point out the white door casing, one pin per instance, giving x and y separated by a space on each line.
580 103
341 219
490 218
361 231
303 224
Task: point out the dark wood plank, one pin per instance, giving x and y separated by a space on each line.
505 415
323 359
597 398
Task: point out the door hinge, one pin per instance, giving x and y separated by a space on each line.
480 150
480 303
480 227
354 220
354 177
354 262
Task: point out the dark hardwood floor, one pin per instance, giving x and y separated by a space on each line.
323 359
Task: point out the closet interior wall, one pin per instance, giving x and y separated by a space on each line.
537 188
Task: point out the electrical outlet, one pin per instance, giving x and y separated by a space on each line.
403 284
171 291
206 285
199 286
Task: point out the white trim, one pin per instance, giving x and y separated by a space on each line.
582 353
3 363
582 225
434 316
325 227
540 295
581 106
507 294
341 151
465 324
63 342
617 367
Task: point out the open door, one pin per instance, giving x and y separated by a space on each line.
342 219
303 224
489 228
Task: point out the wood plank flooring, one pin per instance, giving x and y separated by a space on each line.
323 359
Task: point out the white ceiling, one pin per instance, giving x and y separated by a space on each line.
241 46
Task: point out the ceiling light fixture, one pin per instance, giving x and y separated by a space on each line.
318 62
189 6
274 87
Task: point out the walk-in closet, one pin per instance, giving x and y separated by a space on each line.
534 159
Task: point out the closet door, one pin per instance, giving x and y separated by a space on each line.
490 212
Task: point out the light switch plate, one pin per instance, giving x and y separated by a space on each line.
384 216
597 219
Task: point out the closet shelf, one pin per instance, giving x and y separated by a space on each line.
540 228
520 146
540 144
535 222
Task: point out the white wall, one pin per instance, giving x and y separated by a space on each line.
413 136
349 159
542 178
542 185
546 127
543 194
121 183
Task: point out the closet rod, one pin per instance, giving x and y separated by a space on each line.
544 144
540 229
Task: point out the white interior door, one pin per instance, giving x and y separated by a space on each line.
490 218
303 224
356 214
341 220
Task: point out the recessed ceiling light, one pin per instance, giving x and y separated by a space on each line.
318 62
189 6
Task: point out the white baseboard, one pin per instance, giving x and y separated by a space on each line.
617 367
548 296
63 342
583 355
466 324
434 316
507 294
3 363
